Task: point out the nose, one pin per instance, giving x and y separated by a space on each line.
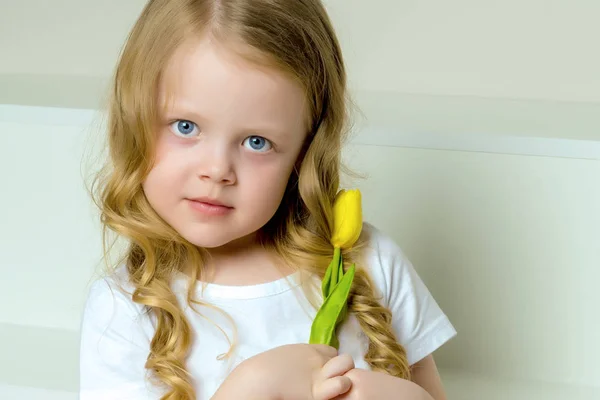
216 166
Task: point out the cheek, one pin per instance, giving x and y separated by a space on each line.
152 188
267 185
162 178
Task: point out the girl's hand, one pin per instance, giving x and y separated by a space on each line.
368 385
291 372
330 381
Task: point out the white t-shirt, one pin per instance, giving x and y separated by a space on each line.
116 333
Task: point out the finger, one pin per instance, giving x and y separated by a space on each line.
337 366
331 388
325 350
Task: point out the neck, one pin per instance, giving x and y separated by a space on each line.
244 262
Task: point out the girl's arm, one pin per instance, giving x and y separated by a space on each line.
242 383
425 385
378 385
298 371
425 374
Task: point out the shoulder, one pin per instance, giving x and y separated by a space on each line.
112 321
115 341
116 285
385 261
110 299
418 322
378 244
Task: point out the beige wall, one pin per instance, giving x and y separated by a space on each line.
535 49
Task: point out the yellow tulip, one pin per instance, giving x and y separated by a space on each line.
347 219
337 283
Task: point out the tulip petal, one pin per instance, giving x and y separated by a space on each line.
347 219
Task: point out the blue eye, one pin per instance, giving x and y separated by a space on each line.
184 128
257 143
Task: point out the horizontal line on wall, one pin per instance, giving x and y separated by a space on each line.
481 143
367 135
54 116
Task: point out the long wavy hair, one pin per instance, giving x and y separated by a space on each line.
294 37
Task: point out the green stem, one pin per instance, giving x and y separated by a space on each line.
336 287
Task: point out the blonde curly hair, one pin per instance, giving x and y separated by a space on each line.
295 37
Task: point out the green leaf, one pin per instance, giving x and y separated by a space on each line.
334 309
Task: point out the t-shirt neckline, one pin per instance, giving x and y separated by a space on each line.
213 290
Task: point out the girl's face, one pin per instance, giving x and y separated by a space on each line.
226 146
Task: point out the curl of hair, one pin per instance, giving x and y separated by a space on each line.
295 37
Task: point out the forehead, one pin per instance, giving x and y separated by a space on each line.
207 78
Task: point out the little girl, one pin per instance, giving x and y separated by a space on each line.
226 123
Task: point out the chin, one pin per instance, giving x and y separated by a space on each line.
212 243
215 240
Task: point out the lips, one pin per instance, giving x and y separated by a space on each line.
206 207
210 202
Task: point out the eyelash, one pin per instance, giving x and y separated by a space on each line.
178 121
